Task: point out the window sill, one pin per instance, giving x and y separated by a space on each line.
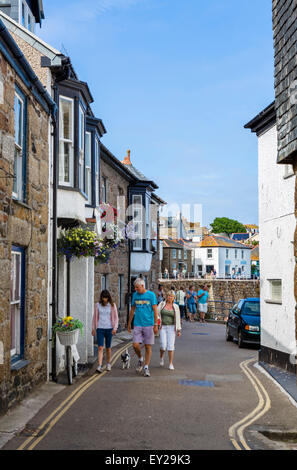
276 302
22 204
19 365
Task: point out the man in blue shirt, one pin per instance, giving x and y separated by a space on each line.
202 302
144 308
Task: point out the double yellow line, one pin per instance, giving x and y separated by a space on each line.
57 414
236 432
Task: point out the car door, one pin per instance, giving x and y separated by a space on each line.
237 319
231 319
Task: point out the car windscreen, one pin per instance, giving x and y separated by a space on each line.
251 308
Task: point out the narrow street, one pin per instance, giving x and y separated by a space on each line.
190 408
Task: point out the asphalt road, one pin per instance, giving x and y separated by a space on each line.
190 408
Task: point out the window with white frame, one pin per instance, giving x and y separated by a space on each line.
179 254
174 254
81 148
288 171
227 253
66 144
235 254
209 253
19 151
185 255
88 167
242 254
137 221
16 302
104 282
104 190
275 290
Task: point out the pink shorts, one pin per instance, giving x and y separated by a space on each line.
144 334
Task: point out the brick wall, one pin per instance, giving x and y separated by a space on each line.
26 226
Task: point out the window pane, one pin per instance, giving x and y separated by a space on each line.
18 110
66 118
65 162
17 274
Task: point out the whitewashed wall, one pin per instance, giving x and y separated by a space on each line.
277 226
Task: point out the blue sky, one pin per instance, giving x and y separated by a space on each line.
175 82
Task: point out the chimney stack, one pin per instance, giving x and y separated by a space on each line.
127 160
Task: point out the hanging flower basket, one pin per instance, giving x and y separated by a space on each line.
67 330
68 338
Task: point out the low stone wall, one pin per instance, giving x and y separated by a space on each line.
223 294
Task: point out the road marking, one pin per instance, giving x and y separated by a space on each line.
196 383
236 432
53 418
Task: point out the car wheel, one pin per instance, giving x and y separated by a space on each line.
240 341
228 336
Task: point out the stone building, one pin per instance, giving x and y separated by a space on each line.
81 174
26 111
176 256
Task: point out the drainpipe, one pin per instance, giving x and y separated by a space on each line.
129 280
54 235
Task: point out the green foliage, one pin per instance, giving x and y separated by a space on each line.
225 225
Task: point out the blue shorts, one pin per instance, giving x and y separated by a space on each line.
104 333
192 308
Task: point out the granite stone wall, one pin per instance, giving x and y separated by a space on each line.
26 226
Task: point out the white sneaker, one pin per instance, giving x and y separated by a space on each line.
146 372
171 367
99 369
162 362
108 367
140 365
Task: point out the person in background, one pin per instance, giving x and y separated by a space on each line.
181 302
170 326
105 323
174 273
202 302
160 295
191 303
166 273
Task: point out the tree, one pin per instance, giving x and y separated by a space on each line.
225 225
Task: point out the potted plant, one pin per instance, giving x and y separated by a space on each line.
67 329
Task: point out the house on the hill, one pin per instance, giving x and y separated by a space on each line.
223 256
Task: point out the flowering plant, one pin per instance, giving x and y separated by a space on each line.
67 324
82 242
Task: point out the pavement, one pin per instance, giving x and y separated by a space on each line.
14 421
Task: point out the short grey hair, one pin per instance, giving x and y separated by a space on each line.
139 281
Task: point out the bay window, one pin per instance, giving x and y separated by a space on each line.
137 221
81 148
66 141
88 168
97 173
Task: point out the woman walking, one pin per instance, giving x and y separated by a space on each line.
105 324
170 325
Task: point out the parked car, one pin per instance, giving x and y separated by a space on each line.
243 322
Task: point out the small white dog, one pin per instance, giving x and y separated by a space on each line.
125 357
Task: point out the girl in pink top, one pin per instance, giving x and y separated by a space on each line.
105 324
